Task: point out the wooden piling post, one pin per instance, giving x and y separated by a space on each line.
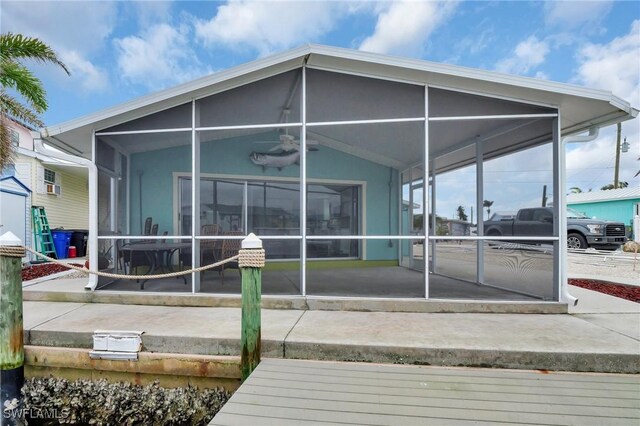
11 329
251 262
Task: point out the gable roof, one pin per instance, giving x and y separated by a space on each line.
581 107
16 181
602 196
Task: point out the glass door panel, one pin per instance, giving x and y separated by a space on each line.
412 219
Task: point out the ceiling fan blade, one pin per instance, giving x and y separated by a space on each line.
277 147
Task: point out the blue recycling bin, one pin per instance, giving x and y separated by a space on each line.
61 240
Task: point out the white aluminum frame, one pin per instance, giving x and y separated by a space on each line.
425 194
195 197
303 183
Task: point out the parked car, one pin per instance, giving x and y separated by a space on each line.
582 231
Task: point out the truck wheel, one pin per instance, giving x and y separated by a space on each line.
576 241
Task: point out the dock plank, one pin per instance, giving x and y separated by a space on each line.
451 394
301 377
498 378
452 371
287 392
457 403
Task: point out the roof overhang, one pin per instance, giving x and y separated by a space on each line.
581 108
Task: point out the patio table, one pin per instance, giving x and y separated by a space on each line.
159 255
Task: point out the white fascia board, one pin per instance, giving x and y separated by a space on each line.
176 91
605 199
46 160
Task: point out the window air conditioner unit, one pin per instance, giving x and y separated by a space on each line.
53 189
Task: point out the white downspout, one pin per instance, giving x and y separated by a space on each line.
565 296
93 200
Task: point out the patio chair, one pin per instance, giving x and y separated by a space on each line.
209 249
229 249
147 226
132 259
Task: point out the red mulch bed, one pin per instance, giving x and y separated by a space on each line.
628 292
42 270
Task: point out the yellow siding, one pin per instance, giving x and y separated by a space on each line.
70 209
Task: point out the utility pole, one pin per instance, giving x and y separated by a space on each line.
617 168
544 196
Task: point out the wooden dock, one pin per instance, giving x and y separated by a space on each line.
295 392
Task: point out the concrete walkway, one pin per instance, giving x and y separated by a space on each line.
601 334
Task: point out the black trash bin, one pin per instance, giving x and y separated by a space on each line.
79 241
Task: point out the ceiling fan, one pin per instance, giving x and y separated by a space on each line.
288 142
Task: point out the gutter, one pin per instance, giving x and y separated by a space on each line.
93 199
565 296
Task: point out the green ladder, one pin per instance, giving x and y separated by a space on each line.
42 232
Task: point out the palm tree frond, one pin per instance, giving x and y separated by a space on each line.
6 148
14 109
17 76
19 46
14 75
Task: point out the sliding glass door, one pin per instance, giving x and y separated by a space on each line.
270 208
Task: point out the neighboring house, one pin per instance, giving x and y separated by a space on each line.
60 187
619 205
228 150
457 227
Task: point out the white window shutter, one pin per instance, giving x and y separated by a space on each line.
23 173
40 187
59 182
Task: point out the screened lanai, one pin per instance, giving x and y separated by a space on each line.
362 181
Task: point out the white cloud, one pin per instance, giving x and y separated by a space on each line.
158 57
613 66
527 55
84 74
591 165
151 12
75 30
72 25
268 26
541 75
571 14
404 26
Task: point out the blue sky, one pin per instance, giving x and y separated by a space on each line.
120 50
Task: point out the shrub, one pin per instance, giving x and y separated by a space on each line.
103 403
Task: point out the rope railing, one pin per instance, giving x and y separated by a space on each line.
8 251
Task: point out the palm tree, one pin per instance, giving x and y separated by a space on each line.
487 205
575 190
15 48
461 214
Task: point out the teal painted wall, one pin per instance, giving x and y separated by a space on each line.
615 210
231 156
